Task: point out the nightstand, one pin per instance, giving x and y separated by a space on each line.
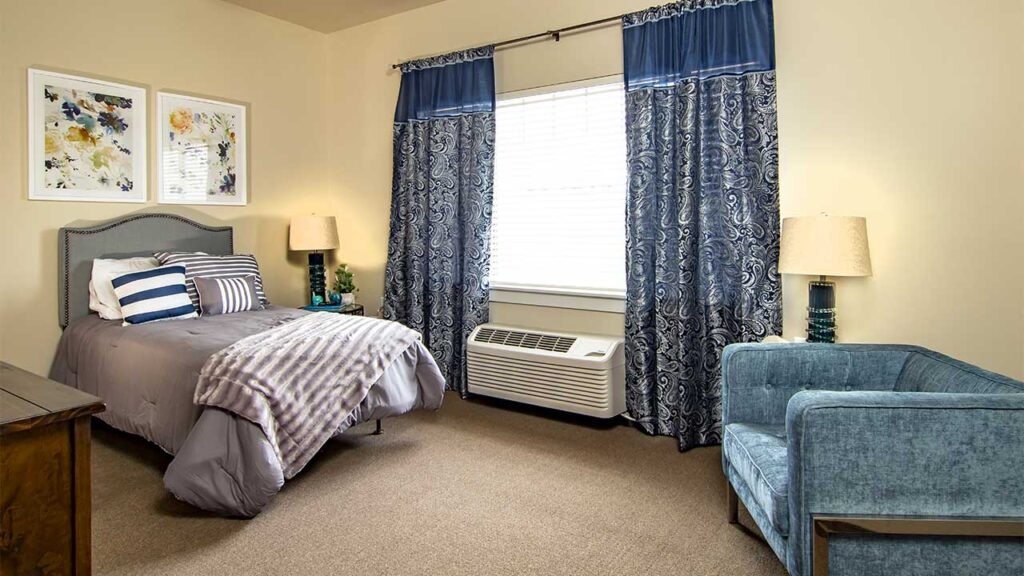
351 309
45 485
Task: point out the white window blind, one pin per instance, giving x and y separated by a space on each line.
560 191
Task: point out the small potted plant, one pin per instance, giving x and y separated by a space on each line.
344 285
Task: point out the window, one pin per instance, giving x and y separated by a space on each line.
560 191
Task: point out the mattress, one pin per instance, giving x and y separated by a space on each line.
146 374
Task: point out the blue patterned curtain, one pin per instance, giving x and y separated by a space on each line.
441 192
703 205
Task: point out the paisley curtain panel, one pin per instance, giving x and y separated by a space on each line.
442 188
702 222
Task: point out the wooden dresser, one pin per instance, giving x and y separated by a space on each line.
45 490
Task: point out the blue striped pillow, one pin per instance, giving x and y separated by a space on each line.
152 295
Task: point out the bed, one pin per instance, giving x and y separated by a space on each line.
147 374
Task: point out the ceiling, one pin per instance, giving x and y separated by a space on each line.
331 15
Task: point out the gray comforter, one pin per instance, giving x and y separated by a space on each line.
223 463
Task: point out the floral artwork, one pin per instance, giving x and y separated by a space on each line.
202 151
87 140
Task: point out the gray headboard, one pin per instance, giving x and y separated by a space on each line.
134 235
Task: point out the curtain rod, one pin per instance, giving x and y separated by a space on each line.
555 35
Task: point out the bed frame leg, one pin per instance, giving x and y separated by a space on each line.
379 430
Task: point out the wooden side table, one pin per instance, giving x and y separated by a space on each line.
351 309
45 486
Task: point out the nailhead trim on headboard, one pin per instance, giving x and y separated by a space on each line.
67 279
66 233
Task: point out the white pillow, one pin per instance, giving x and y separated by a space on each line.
101 292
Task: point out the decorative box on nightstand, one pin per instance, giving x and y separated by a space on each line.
780 340
350 309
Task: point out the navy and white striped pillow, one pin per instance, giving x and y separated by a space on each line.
208 266
227 295
152 295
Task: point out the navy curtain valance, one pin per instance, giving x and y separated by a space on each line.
447 85
697 39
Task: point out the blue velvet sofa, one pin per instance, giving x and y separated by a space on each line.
834 449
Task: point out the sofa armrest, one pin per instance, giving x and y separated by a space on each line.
759 379
902 454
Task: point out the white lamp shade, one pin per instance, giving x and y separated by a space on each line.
825 246
313 233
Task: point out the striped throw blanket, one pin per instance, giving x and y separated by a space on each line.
300 380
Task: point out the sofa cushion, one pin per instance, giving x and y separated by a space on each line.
758 454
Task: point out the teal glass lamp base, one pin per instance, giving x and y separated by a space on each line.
317 280
821 311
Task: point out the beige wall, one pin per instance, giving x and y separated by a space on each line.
916 126
201 46
907 113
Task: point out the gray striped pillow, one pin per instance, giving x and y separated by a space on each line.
227 295
209 266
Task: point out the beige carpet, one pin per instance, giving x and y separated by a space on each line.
477 488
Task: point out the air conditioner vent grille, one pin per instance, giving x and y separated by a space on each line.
531 340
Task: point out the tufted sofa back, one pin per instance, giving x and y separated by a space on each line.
927 371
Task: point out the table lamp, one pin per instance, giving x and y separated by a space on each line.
314 234
824 246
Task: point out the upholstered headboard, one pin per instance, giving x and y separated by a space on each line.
135 235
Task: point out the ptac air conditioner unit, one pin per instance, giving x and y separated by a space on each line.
572 372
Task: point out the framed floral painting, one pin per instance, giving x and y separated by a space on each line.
86 139
201 151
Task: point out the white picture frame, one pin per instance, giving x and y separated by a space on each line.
86 139
202 152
